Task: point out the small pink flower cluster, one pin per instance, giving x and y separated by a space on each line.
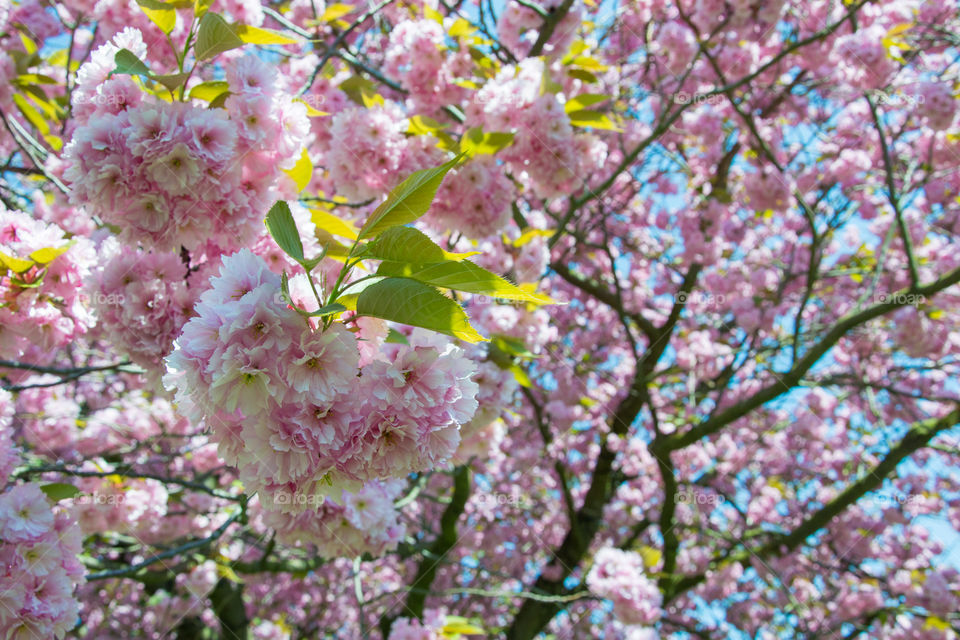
42 306
474 199
38 566
368 166
430 628
766 189
416 54
619 576
544 148
179 174
677 44
142 302
289 404
356 523
519 26
936 104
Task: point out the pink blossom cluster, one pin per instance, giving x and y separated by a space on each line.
172 174
474 199
38 566
8 452
766 188
142 302
369 166
429 628
619 576
545 150
519 26
289 404
936 104
416 54
41 307
353 524
677 44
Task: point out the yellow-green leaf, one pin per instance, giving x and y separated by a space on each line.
160 13
209 91
301 172
31 114
454 626
420 125
584 101
311 112
335 12
47 255
475 141
332 224
256 35
592 119
432 14
461 28
15 264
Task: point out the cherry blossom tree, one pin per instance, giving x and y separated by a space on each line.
525 319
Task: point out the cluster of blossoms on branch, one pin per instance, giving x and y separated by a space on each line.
293 409
174 174
39 544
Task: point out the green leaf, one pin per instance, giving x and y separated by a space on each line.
584 101
282 227
475 141
592 119
256 35
395 337
582 75
406 244
172 81
129 64
415 303
408 201
511 346
214 36
209 91
462 276
57 491
327 310
161 14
